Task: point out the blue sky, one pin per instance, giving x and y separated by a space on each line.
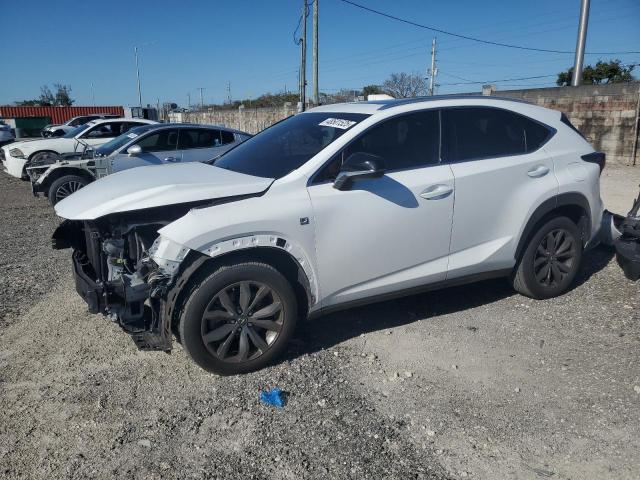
188 44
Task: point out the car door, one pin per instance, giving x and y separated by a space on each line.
501 174
157 147
390 233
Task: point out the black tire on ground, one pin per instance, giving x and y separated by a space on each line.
550 261
65 186
239 318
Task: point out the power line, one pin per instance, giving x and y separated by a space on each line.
473 39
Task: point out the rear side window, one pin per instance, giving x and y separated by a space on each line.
477 132
198 138
226 137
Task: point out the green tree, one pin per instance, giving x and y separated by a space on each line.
371 90
63 95
602 73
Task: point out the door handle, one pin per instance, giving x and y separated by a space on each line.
436 192
539 171
171 159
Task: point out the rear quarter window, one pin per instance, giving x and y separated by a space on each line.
473 133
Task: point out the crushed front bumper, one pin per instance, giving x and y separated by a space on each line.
136 301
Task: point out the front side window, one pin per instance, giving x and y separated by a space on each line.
470 133
106 130
120 141
160 141
404 142
289 144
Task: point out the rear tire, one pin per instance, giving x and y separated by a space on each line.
551 260
239 318
65 186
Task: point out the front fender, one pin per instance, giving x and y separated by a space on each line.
282 221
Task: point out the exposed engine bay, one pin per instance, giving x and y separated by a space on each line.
115 272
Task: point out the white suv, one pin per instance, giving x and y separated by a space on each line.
338 206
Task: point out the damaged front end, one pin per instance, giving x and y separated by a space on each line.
123 270
627 245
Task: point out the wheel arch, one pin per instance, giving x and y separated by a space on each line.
42 151
198 265
56 173
573 205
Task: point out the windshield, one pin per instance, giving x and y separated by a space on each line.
289 144
118 142
77 130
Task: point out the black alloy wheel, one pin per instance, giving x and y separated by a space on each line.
242 321
554 257
238 317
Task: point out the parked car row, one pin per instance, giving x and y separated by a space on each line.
58 130
340 205
59 166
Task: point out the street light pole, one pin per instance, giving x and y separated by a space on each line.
135 51
582 39
316 93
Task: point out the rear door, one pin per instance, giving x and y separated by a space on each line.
158 147
501 175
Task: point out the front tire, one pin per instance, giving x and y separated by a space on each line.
551 260
65 186
239 318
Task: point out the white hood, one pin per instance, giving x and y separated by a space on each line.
155 186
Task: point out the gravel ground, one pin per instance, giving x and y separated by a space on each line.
473 382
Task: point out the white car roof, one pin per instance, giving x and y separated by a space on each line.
379 107
119 119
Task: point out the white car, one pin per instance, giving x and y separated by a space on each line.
19 155
58 130
334 207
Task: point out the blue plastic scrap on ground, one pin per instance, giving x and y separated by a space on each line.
273 397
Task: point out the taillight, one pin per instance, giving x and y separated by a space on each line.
595 157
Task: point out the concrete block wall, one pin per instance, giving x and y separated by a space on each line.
251 120
605 114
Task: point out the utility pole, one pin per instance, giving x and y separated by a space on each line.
201 97
582 39
135 51
189 100
433 71
303 58
229 93
316 92
93 95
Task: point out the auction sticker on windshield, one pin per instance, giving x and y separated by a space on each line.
132 135
337 123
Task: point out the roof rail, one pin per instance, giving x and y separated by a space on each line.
407 101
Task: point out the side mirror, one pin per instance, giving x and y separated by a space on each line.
134 150
358 166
